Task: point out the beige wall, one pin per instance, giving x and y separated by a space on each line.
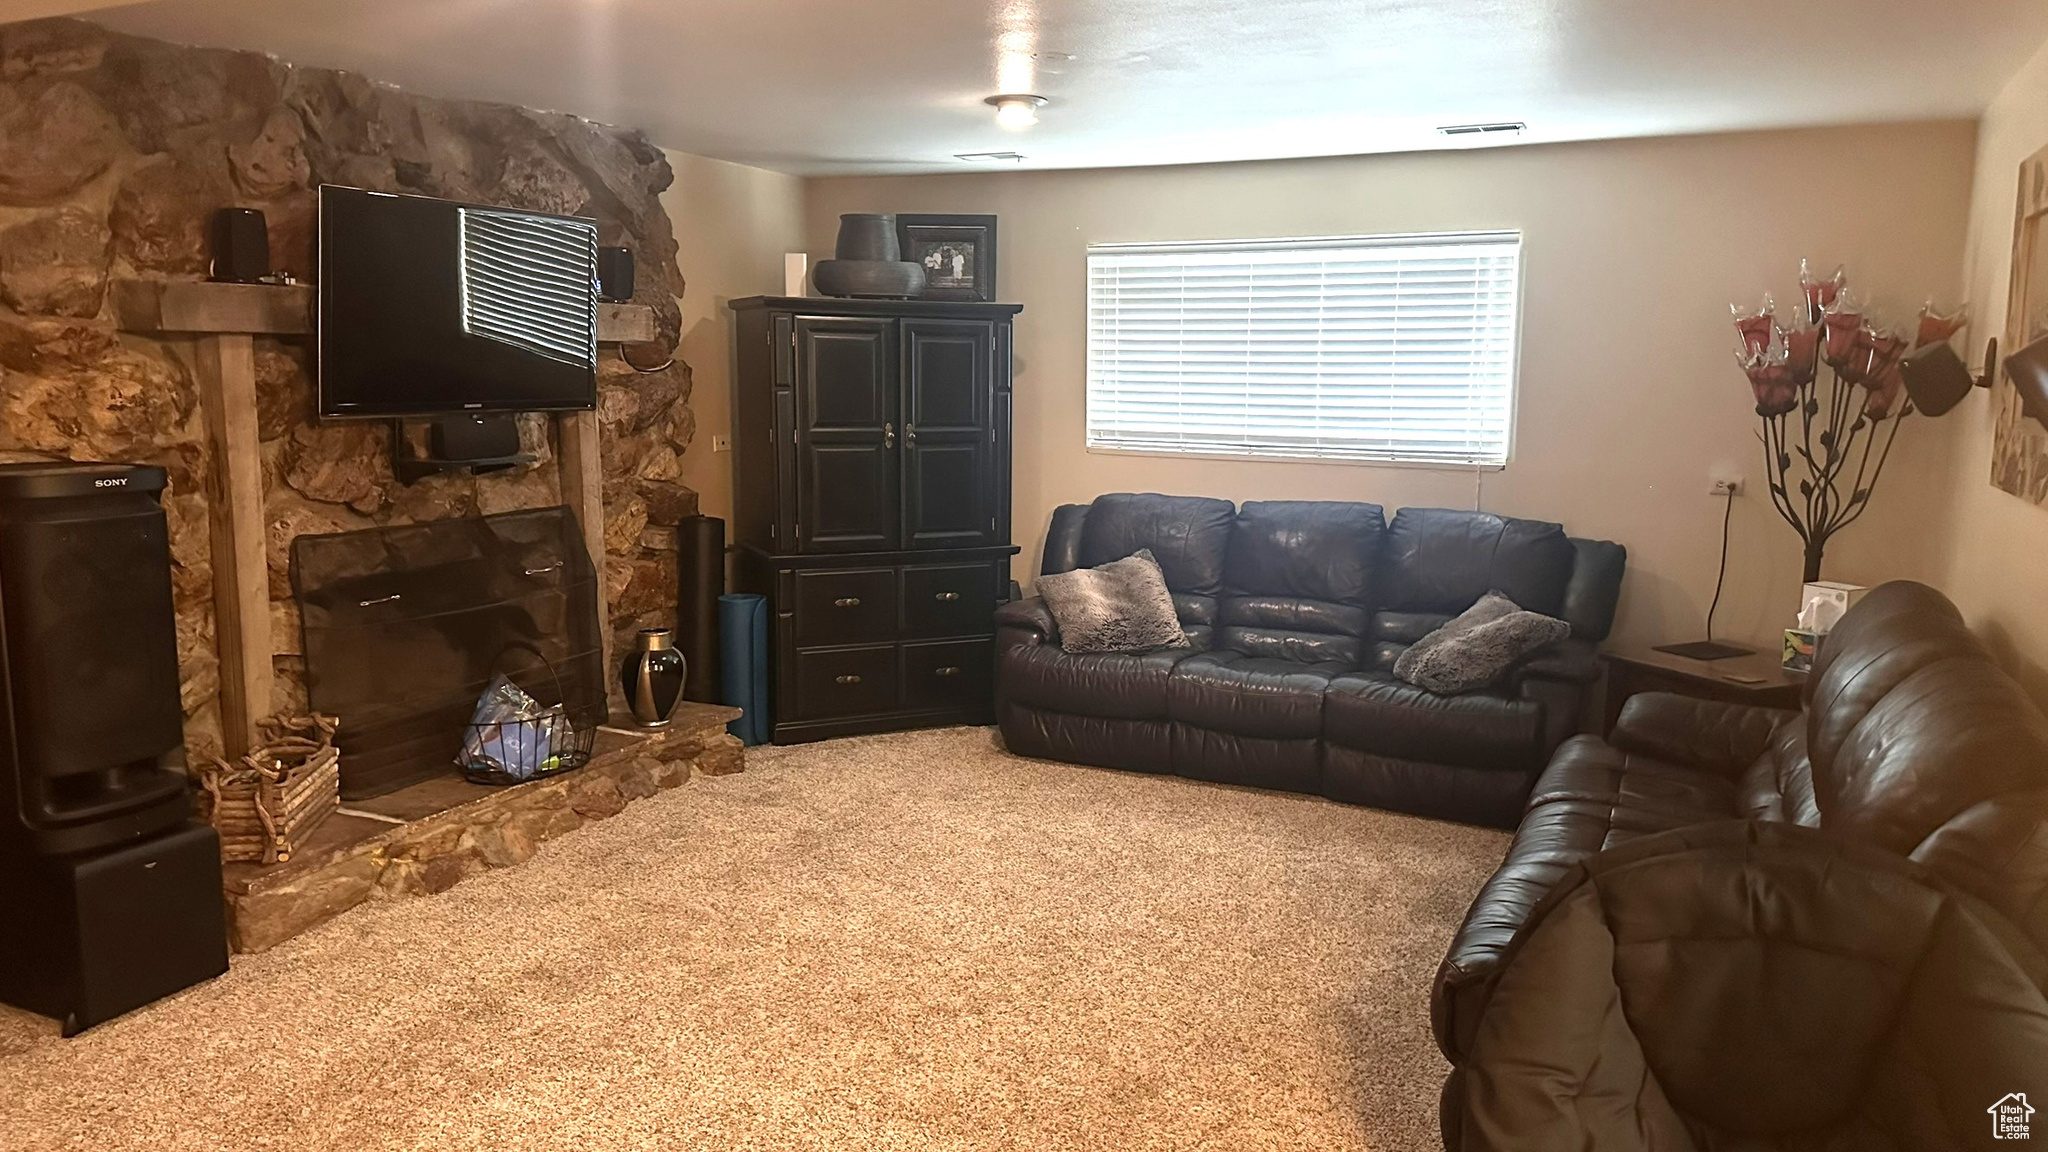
1629 395
1994 565
733 224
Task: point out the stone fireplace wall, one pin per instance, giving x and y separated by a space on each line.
114 153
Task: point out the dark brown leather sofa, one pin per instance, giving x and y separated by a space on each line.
1912 741
1297 611
1755 985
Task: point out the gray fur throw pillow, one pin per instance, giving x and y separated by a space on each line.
1122 606
1477 646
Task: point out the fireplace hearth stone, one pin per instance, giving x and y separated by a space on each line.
426 838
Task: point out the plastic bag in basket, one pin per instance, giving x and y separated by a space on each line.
512 733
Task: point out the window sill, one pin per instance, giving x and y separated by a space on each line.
1287 458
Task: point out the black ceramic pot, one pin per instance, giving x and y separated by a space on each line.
652 678
868 236
869 279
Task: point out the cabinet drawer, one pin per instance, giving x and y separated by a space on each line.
846 607
949 600
845 682
951 674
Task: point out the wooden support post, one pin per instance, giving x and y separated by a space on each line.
583 490
241 576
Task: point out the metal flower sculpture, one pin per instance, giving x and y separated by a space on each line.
1826 441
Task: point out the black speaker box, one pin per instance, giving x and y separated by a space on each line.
91 727
474 436
615 275
241 246
84 938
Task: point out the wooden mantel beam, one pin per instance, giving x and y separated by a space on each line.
203 307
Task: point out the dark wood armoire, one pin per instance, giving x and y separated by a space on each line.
871 503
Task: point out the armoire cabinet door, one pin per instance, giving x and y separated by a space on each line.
948 433
846 435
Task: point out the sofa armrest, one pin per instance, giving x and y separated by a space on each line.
1569 661
1704 734
1026 621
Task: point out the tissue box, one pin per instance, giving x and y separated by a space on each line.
1800 645
1833 600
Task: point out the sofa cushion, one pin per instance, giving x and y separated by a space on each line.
1911 722
1250 695
1592 797
1779 786
1187 535
1298 579
1390 634
1374 712
1114 685
1633 794
1444 560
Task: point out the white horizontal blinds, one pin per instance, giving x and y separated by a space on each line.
1375 348
531 282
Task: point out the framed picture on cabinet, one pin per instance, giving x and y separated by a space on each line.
958 254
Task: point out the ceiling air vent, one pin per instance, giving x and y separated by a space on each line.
990 157
1505 127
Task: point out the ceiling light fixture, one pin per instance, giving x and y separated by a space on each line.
1504 127
990 157
1016 110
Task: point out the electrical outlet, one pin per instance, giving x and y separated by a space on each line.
721 443
1724 484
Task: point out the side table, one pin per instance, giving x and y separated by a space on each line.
1756 679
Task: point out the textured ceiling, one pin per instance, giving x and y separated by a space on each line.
819 86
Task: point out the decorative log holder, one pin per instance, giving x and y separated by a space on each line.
269 802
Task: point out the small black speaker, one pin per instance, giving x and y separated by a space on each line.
615 275
474 436
92 731
241 246
91 936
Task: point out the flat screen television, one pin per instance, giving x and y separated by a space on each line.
430 307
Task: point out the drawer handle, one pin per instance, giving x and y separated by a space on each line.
948 596
847 679
847 602
949 670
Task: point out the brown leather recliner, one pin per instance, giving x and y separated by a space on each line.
1296 611
1752 985
1912 741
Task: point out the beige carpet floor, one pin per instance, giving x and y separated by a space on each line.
912 941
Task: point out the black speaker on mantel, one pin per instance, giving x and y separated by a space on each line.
615 275
241 246
91 727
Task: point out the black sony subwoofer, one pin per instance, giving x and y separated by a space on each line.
615 275
86 937
91 728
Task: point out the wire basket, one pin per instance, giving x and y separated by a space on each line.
549 740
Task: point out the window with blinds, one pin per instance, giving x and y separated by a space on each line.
1357 348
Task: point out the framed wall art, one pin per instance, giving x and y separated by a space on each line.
2019 446
958 254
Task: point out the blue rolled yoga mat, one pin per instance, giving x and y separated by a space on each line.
743 663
